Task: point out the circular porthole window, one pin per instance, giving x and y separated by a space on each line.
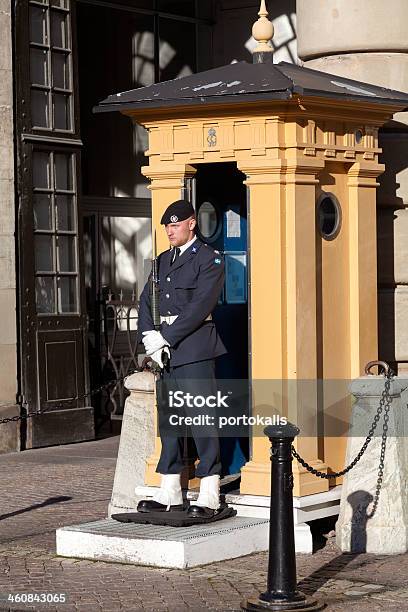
208 221
328 213
358 134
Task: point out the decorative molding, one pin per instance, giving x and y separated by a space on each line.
52 140
368 170
258 137
370 141
330 137
311 151
301 171
309 136
348 138
330 141
368 138
364 174
167 143
197 144
167 177
227 139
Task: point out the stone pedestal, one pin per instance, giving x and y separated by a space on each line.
136 442
9 432
385 532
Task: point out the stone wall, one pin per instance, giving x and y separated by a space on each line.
366 40
9 434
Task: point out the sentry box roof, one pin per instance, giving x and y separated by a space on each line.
243 82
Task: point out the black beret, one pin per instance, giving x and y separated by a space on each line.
178 211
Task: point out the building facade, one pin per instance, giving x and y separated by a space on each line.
367 41
75 210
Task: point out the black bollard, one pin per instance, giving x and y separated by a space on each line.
282 592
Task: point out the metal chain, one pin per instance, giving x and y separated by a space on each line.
381 463
385 403
28 415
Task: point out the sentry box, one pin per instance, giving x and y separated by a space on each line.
281 164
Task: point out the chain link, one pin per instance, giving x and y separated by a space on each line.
381 463
385 403
29 415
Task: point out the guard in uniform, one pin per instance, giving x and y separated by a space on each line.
191 278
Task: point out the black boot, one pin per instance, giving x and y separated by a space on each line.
149 505
201 512
169 494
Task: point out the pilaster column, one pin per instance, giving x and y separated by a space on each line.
363 270
166 186
301 317
282 257
266 307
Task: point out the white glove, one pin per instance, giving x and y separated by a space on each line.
157 356
153 341
147 335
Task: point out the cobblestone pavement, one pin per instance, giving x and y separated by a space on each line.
44 489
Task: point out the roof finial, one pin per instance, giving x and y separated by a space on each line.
262 31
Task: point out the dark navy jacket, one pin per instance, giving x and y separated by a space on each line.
190 288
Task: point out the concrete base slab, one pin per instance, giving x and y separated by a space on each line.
159 546
305 509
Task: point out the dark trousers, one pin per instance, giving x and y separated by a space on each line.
196 379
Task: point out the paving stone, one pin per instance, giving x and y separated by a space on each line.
84 473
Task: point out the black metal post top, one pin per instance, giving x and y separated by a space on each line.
282 431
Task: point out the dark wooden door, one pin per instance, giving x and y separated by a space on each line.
53 352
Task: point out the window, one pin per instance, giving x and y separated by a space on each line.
328 216
122 49
208 222
177 53
177 7
358 134
55 232
51 66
